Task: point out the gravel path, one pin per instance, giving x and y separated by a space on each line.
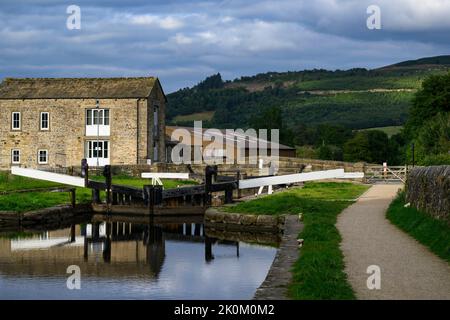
408 269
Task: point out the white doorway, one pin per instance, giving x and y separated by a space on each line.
97 152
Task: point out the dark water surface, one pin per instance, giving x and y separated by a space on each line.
130 261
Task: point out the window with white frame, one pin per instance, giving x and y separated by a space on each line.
97 122
42 156
15 156
15 121
97 149
97 117
45 121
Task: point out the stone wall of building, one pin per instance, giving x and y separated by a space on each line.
157 98
428 189
65 139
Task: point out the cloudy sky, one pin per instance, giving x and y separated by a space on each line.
183 41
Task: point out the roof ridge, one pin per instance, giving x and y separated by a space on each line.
78 78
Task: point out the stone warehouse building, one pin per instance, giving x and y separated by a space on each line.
58 122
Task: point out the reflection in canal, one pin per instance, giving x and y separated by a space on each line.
123 260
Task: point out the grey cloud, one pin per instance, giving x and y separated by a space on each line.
184 41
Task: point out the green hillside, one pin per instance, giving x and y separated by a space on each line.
355 98
429 61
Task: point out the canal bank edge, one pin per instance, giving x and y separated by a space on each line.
279 277
46 215
275 286
217 219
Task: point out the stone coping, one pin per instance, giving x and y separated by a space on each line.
44 215
283 227
272 239
279 277
243 222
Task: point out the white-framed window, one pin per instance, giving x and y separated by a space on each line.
97 117
15 156
97 122
15 121
45 121
98 149
42 156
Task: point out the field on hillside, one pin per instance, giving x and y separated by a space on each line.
354 110
203 116
363 83
390 131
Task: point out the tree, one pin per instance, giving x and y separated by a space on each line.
433 139
330 152
428 125
357 148
212 82
397 151
271 118
378 145
433 98
332 135
370 146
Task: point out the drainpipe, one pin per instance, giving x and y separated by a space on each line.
97 106
137 132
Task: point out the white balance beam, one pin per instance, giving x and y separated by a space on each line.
157 176
165 175
290 178
48 176
352 175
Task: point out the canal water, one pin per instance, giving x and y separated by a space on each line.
118 260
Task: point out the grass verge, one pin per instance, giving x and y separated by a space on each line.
430 232
9 182
319 272
22 202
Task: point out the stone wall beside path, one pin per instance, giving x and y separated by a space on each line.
428 189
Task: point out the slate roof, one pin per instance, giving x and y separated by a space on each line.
74 88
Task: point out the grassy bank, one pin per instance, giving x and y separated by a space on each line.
22 202
28 201
430 232
9 182
318 273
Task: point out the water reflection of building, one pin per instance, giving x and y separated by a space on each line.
109 249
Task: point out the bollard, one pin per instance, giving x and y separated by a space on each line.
73 197
85 172
238 177
108 179
152 197
210 174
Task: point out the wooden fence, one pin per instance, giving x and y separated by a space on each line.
386 174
